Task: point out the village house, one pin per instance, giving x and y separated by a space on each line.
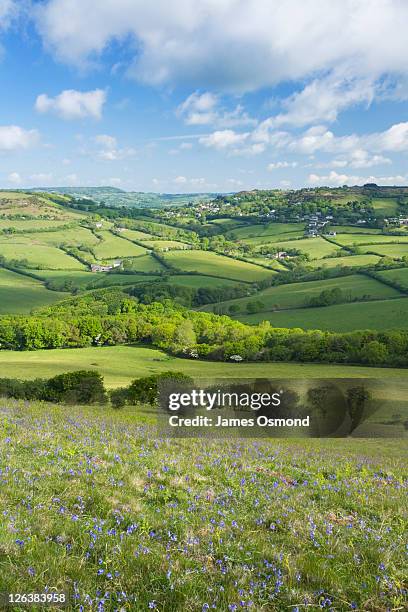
106 267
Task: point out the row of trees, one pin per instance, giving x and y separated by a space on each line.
202 335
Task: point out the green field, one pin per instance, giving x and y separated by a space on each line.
121 364
395 251
164 244
352 261
353 229
275 238
146 263
378 315
217 265
83 280
296 295
375 240
400 276
385 206
316 248
113 246
265 229
93 503
22 247
31 224
138 236
19 294
75 236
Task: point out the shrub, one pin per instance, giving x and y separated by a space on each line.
145 390
81 387
118 397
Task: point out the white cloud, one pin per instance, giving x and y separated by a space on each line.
281 164
203 109
333 179
322 100
14 178
13 137
72 104
223 139
109 150
199 109
233 45
394 139
193 183
357 149
106 141
8 10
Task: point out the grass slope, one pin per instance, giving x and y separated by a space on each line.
265 229
121 364
379 315
217 265
19 294
399 276
297 294
94 504
316 248
114 246
352 261
22 247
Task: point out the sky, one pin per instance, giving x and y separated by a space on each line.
203 95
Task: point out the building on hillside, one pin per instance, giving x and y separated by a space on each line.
98 224
106 267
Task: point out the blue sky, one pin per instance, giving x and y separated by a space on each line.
203 95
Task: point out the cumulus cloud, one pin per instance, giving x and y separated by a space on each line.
14 178
14 137
281 164
204 109
224 139
233 45
360 151
188 183
72 104
109 150
8 10
333 179
322 100
199 109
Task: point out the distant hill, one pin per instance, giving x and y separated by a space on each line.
113 196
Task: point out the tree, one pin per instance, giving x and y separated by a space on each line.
234 308
81 387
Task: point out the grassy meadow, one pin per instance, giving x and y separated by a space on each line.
217 265
295 295
121 364
380 315
95 504
19 294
